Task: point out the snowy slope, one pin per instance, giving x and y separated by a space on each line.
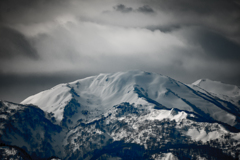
96 95
223 91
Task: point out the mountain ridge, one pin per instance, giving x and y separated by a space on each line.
102 92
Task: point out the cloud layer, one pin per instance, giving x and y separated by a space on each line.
185 39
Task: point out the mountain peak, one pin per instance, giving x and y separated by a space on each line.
218 87
98 94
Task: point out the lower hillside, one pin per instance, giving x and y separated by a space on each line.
127 131
27 127
13 152
130 132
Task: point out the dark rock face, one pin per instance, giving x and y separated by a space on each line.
27 127
70 109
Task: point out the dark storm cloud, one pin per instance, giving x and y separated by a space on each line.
122 8
145 9
14 44
218 46
196 6
214 46
30 11
165 29
220 15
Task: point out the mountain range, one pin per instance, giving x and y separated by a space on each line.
125 115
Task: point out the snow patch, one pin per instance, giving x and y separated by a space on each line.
164 156
171 115
201 134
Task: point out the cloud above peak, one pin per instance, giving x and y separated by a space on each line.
176 38
14 44
143 9
122 8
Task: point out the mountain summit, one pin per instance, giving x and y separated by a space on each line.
126 115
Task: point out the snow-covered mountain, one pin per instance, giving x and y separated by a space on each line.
96 95
128 115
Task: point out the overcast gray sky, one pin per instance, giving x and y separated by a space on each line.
46 42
